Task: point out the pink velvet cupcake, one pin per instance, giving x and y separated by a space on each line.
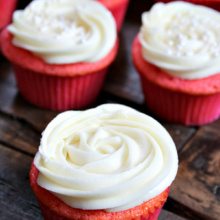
118 9
177 56
107 163
60 51
215 4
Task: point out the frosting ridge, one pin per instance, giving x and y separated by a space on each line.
111 157
64 31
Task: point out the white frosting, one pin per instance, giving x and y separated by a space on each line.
64 31
111 157
183 39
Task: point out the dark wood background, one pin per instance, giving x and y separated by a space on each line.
196 191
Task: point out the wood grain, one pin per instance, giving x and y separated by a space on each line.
16 199
18 134
180 134
197 185
166 215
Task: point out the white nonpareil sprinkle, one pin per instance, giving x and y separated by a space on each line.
59 26
187 34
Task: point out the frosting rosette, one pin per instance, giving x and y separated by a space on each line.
182 39
64 31
111 157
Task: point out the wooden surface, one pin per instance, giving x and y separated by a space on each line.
196 191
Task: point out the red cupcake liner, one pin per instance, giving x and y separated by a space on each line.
190 102
118 9
179 107
59 93
215 4
54 209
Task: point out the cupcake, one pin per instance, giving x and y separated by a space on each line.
110 162
60 51
118 9
177 55
215 4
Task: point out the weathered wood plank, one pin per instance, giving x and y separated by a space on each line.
182 210
16 199
197 185
18 134
14 206
165 215
180 134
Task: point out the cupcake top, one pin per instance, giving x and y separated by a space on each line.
64 31
111 157
183 39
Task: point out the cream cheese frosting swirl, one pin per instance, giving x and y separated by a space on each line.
182 39
111 157
64 31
